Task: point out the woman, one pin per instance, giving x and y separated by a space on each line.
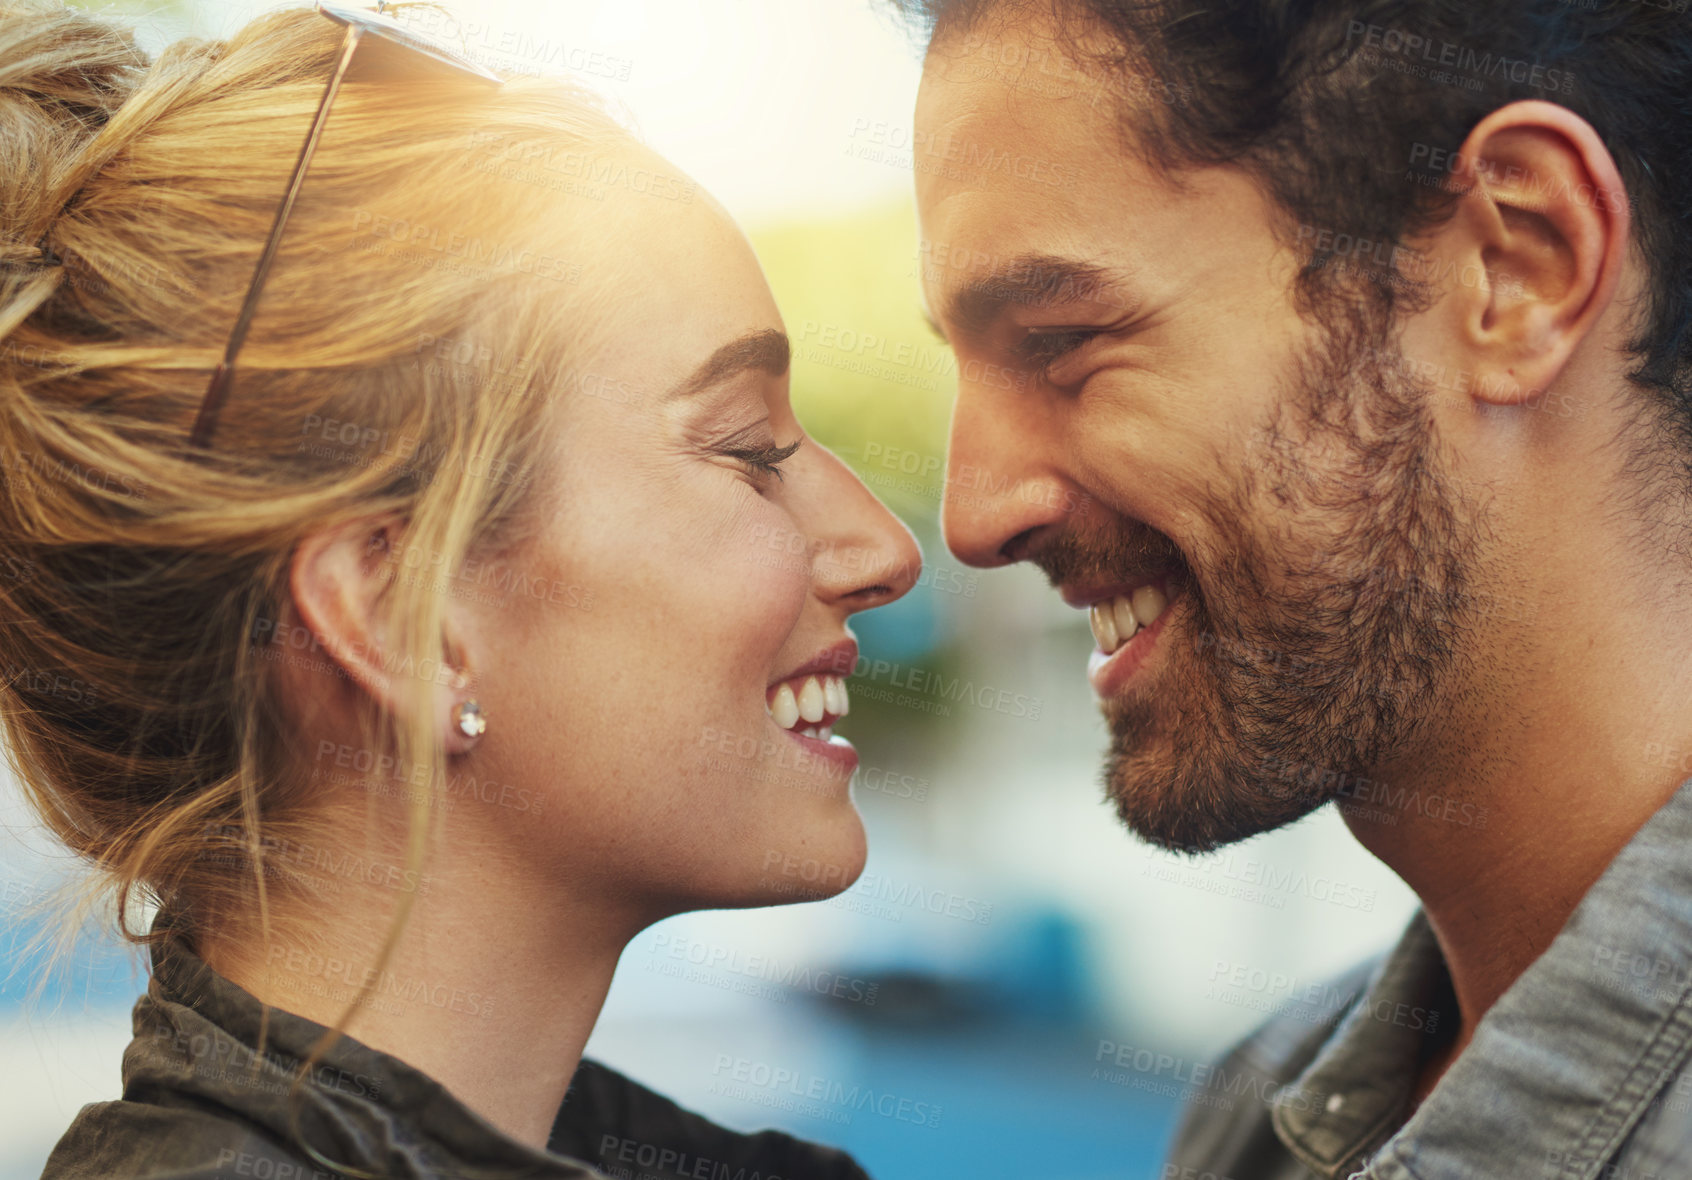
501 614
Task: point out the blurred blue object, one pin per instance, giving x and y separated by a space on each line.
97 973
1030 967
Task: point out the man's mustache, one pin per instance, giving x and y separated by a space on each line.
1069 557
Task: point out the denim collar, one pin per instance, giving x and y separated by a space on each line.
1357 1089
1558 1071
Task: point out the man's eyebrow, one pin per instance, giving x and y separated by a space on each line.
1035 280
766 349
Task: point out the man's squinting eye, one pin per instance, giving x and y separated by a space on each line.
1041 349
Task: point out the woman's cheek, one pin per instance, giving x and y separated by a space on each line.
775 562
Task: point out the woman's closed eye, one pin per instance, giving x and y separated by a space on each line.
761 460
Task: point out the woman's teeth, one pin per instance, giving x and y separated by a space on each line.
811 700
817 698
1117 620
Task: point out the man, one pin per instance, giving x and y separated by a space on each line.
1360 334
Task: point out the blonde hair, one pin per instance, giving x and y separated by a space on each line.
141 718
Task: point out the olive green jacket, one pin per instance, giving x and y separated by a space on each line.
200 1104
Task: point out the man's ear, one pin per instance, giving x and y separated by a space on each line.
339 577
1534 252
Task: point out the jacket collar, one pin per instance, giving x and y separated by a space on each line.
196 1033
1558 1070
1358 1086
1569 1058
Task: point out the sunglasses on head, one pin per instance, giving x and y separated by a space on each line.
415 52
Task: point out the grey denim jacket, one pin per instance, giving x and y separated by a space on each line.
1581 1071
194 1108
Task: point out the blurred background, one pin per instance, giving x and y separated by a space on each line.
1030 985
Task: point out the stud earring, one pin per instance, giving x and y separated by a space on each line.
470 720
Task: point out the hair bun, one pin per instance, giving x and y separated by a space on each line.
62 75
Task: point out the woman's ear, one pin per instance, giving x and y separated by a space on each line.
339 578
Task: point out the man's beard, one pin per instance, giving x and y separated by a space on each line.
1320 643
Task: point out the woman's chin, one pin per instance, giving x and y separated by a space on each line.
822 859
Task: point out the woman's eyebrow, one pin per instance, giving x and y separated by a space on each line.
766 349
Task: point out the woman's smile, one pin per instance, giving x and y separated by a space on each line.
806 702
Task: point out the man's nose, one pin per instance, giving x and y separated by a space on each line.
1003 481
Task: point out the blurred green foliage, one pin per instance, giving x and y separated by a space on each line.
873 384
870 380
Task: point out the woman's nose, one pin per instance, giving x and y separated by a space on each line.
864 555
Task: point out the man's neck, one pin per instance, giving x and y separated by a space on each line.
1501 839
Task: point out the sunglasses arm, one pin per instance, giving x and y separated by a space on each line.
218 390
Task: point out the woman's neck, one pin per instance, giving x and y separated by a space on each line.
490 992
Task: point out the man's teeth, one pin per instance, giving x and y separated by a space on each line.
1117 620
817 697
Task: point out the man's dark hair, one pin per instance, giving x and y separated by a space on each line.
1349 113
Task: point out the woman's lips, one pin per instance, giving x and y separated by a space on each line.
833 751
809 704
806 708
811 698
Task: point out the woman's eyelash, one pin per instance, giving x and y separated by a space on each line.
764 460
